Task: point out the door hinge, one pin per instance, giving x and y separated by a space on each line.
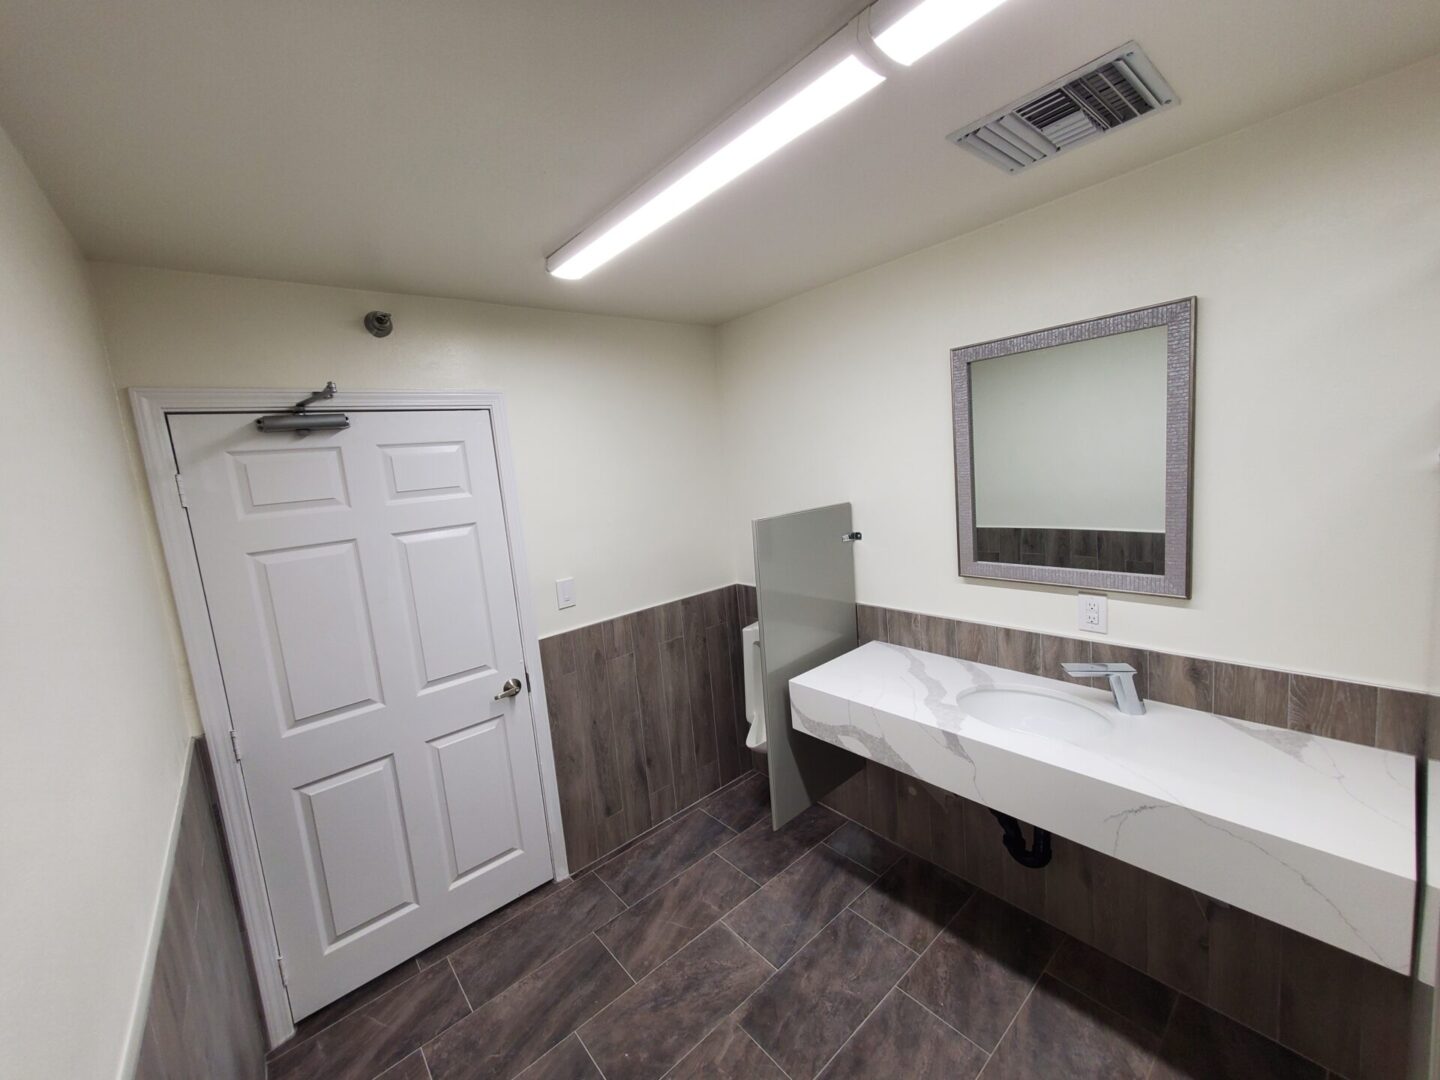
180 490
284 975
235 743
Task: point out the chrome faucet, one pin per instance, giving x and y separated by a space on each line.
1122 683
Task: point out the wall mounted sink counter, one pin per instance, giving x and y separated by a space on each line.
1312 833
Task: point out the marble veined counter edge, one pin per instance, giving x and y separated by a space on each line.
1309 832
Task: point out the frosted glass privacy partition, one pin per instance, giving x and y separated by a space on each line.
805 585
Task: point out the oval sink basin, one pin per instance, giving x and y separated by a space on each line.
1034 711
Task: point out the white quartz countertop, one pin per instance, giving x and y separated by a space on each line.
1313 833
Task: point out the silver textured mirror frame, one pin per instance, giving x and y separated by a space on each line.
1178 317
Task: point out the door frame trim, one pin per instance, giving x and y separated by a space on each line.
152 407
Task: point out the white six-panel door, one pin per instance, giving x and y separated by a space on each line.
364 614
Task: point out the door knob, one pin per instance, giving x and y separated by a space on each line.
510 689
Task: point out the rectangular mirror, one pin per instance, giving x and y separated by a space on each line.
1073 453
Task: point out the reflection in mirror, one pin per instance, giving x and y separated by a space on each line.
1069 453
1072 453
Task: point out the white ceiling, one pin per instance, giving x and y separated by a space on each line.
445 147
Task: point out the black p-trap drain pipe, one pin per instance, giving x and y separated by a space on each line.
1032 856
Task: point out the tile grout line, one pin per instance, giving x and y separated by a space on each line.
619 899
850 907
818 843
620 849
455 975
1001 1041
588 1054
721 856
426 1062
1164 1032
633 981
931 1012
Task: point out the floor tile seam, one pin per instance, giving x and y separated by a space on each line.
554 897
758 884
796 954
818 843
902 852
709 1030
1008 1028
588 1054
463 993
646 896
609 952
851 1037
931 1012
426 1062
859 915
343 1016
899 846
1088 996
1164 1034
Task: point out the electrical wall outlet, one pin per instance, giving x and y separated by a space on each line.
1094 613
564 592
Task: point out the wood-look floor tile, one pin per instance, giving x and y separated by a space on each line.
568 1061
901 1030
663 854
726 1054
1339 710
810 1007
674 915
1062 1033
488 965
761 852
380 1034
912 901
795 904
515 1028
741 804
859 844
478 929
649 1028
1134 995
977 973
411 1068
1200 1044
317 1022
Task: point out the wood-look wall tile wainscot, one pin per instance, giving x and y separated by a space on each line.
646 716
203 1017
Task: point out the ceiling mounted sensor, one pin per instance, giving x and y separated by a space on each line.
880 41
1121 86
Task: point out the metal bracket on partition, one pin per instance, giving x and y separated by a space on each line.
849 538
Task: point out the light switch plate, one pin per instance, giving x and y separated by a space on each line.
1094 613
564 592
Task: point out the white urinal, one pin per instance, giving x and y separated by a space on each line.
754 691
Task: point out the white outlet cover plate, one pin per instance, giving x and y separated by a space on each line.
1093 613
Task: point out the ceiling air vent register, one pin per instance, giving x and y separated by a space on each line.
1119 87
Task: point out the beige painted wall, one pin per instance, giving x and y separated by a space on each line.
92 724
614 421
1317 493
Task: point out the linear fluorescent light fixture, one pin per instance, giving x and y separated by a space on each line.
908 30
762 127
846 67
